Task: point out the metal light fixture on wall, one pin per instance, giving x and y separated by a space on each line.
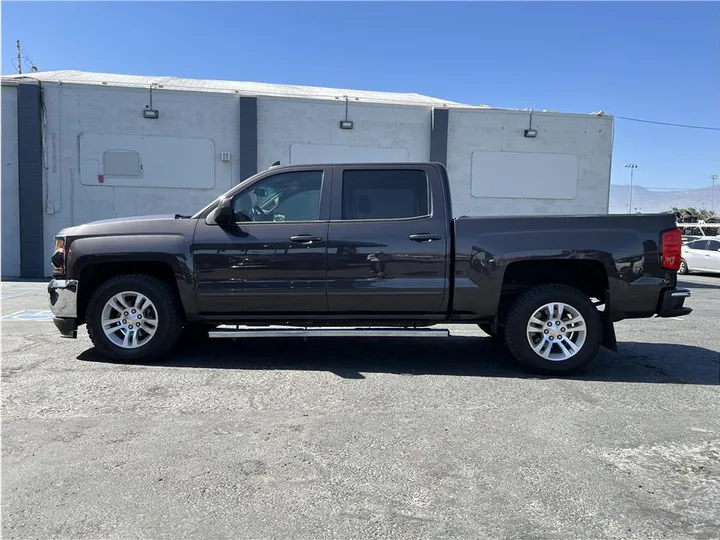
149 112
530 133
346 124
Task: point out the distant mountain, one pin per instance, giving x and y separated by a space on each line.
648 201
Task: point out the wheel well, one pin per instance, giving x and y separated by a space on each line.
94 275
590 277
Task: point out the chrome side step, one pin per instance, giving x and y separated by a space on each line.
250 332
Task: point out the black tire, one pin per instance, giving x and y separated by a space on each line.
525 306
496 336
169 316
683 267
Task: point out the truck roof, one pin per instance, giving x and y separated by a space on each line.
370 165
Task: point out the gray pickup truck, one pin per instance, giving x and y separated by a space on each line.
363 248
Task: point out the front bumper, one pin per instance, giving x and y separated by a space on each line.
672 303
63 304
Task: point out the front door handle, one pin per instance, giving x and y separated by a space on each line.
305 239
424 237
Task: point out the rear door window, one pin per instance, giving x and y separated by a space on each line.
384 194
713 245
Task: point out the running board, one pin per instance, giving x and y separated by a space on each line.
327 332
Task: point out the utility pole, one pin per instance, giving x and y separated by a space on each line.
632 167
713 177
19 58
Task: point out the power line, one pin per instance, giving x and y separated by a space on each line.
688 126
27 57
29 62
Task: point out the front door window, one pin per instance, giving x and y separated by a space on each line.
288 197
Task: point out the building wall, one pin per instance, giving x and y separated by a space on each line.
83 122
295 131
182 169
583 139
10 185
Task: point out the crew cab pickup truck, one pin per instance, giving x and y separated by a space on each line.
368 248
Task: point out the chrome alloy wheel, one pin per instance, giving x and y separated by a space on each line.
129 320
556 331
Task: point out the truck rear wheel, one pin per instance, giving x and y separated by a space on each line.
553 329
134 317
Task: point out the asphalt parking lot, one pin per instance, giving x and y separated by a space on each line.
361 438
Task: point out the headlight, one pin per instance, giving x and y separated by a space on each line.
58 257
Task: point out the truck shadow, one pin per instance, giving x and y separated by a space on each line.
698 284
457 356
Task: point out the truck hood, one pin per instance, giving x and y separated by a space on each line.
134 218
124 225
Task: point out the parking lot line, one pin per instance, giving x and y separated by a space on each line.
34 315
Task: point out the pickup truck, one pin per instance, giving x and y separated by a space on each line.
369 248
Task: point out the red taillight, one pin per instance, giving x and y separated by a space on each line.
671 251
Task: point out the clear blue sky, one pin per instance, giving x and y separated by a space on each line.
656 61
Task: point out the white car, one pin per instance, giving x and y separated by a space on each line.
702 255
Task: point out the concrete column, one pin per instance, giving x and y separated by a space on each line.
248 137
30 175
439 135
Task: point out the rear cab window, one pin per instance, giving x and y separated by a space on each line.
384 194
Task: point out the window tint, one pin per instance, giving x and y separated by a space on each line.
384 194
713 245
292 196
697 244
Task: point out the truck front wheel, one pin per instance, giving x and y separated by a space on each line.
133 317
553 329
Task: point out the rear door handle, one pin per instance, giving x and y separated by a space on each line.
305 239
424 237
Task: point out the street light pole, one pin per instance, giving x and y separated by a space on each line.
713 177
632 167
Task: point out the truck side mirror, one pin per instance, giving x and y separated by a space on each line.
222 214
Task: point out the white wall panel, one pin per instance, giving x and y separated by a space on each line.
165 162
522 175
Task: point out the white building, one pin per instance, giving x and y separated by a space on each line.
78 147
